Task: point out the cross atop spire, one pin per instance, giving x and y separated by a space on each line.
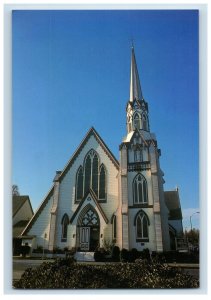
135 87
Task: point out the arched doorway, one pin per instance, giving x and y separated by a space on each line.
88 229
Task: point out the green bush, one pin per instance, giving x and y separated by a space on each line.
66 273
99 255
115 253
124 255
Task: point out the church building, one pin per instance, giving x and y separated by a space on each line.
97 199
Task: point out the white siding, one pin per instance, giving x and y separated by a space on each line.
42 225
67 191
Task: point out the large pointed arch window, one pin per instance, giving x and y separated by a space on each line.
137 121
142 226
91 167
140 195
102 183
79 184
65 222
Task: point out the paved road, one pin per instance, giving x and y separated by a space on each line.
20 265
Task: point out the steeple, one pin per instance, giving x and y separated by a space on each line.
135 87
137 107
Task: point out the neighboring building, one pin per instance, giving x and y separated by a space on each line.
22 213
172 201
95 198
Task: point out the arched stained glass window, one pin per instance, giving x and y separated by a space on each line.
65 222
142 224
95 174
102 183
79 184
140 190
88 170
91 170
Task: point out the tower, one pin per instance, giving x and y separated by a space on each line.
144 215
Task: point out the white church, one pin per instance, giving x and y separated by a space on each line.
97 198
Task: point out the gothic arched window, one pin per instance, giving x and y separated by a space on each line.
102 183
140 190
91 172
142 224
79 184
137 121
65 222
144 122
138 154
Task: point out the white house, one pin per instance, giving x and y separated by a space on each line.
97 198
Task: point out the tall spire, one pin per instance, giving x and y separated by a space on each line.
135 87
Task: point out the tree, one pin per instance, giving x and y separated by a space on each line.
15 190
193 236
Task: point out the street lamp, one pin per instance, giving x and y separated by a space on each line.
197 212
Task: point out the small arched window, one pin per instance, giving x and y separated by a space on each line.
102 183
114 227
79 184
65 222
137 121
142 224
140 190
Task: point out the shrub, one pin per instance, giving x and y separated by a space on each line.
115 253
99 255
124 255
65 273
24 250
133 254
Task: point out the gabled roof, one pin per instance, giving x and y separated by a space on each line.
93 196
91 132
173 204
61 174
18 202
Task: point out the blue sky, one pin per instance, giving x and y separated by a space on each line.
71 71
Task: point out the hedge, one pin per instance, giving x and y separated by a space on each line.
67 274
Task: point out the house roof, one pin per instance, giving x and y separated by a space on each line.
19 227
18 202
173 204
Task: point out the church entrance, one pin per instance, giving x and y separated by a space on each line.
88 229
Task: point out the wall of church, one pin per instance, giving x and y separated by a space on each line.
67 192
42 226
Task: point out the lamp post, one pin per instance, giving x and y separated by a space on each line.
197 212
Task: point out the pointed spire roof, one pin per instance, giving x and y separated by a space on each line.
135 86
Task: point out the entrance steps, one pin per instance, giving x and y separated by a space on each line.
84 256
